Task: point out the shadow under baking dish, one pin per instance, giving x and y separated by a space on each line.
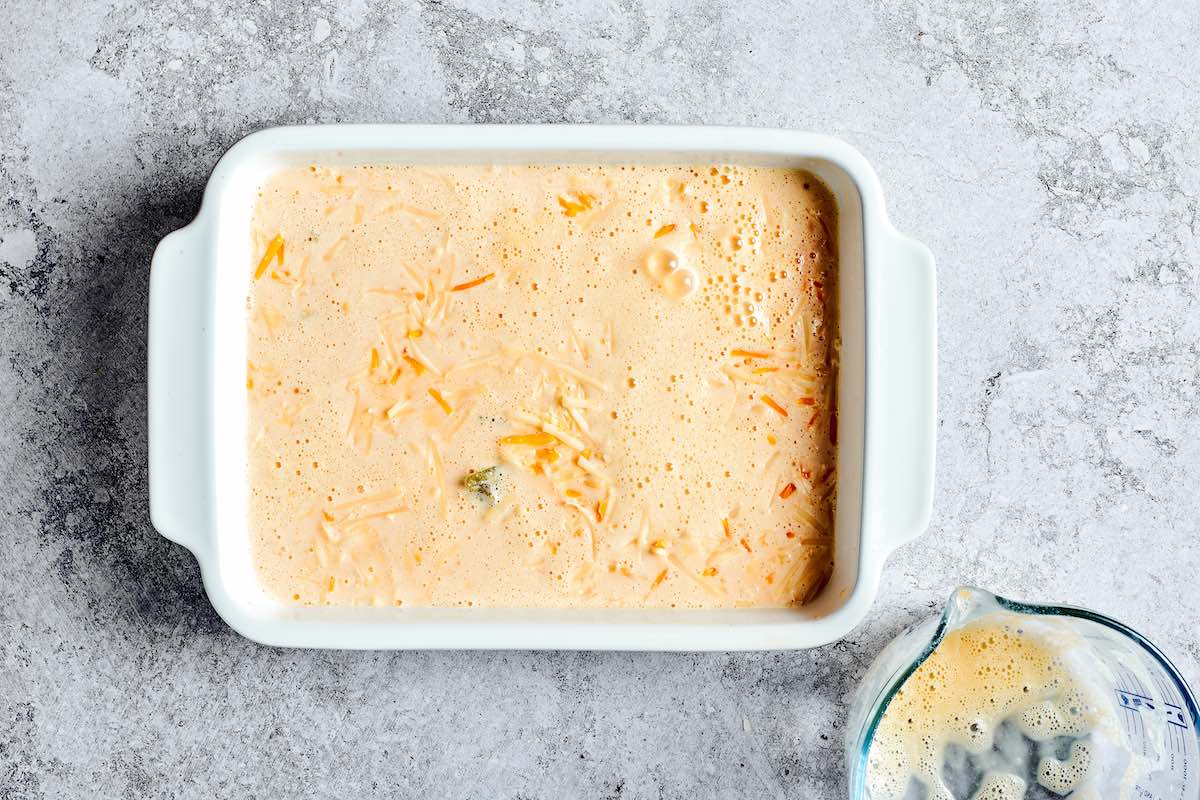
198 402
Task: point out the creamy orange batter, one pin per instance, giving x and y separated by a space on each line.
646 354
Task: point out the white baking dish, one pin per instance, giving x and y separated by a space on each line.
197 351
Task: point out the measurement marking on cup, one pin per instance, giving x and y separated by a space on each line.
1134 700
1175 716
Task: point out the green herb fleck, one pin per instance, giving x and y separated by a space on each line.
487 483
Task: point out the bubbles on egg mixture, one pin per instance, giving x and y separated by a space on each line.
1061 777
997 712
415 217
660 263
680 283
664 266
1000 786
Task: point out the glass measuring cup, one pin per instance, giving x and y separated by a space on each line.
1155 752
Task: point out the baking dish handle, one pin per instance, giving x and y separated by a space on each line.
904 358
178 382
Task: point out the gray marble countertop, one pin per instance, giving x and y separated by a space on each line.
1048 153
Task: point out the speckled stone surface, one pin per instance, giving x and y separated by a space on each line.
1048 153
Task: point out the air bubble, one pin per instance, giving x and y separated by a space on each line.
661 262
680 284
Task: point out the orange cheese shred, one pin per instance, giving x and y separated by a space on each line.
274 251
737 353
788 491
441 401
773 405
531 439
576 203
663 231
728 532
662 576
462 287
416 365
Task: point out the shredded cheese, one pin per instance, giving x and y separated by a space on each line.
575 202
274 251
420 356
333 248
707 586
577 417
811 521
472 364
418 212
396 409
766 398
531 439
558 395
592 467
564 437
735 376
439 475
441 401
416 365
386 337
462 287
567 369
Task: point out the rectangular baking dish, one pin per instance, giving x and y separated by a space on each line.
197 398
